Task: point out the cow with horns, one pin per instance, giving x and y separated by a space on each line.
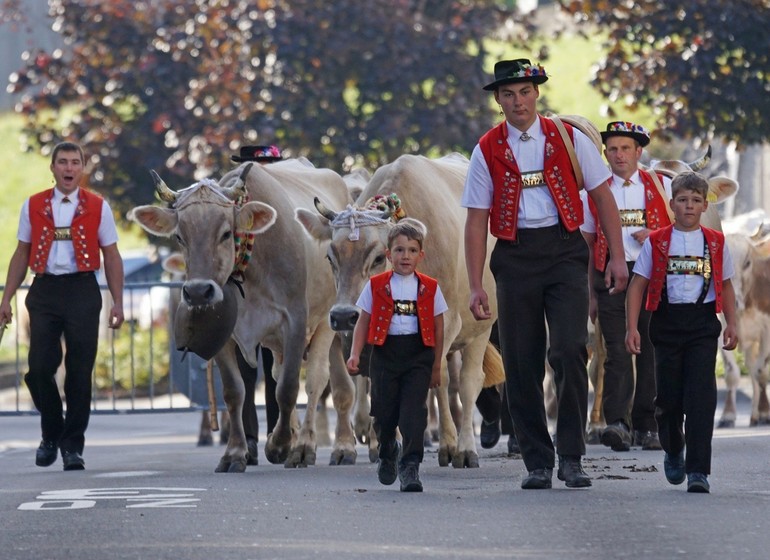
277 294
428 190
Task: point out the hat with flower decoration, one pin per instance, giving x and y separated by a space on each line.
515 71
625 128
261 154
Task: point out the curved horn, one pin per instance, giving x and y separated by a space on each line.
239 186
701 163
323 210
165 193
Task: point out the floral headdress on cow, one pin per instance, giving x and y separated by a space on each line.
377 210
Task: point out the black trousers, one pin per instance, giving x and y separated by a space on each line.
400 376
544 278
626 398
686 339
67 306
249 412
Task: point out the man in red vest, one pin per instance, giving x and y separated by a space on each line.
686 269
61 234
523 187
642 199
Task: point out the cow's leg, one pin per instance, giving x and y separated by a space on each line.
597 354
471 381
362 420
760 375
205 436
286 369
234 458
447 430
343 396
732 376
322 419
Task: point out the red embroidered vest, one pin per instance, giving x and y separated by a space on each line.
506 179
661 243
84 230
656 217
382 308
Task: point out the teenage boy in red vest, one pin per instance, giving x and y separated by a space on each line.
642 198
524 188
686 269
402 318
61 234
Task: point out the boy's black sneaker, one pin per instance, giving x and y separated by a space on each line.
698 483
46 453
673 466
410 477
387 469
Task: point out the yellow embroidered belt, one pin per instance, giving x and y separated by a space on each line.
62 234
532 179
689 265
632 218
404 307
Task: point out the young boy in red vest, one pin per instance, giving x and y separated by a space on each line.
686 269
402 318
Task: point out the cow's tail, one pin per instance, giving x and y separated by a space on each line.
494 374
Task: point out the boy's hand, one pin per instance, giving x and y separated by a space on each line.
730 338
352 365
633 342
435 377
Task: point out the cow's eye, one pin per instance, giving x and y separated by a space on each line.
378 260
226 236
180 240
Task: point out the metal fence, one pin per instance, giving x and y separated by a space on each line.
137 369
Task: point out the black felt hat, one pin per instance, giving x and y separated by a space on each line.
515 71
261 154
625 128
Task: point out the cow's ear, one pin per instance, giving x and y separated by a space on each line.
316 226
255 217
156 220
174 264
721 188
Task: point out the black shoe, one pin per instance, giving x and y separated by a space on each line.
571 472
513 445
617 436
698 483
387 469
252 452
673 466
490 434
46 454
648 441
538 479
409 474
73 461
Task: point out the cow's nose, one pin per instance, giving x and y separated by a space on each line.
198 293
343 319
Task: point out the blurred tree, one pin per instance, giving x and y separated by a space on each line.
178 85
703 65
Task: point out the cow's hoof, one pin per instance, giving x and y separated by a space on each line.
343 457
466 460
444 458
763 422
205 441
276 453
753 422
726 423
300 457
231 466
373 456
593 437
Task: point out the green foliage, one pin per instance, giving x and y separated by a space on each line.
131 351
177 86
702 65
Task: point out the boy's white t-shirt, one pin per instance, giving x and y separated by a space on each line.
684 288
402 288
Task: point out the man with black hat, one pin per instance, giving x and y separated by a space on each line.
642 198
262 155
523 186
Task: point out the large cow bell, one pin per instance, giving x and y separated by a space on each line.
204 330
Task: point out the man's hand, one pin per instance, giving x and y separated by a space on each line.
479 305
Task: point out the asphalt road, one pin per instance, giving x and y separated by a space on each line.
149 492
